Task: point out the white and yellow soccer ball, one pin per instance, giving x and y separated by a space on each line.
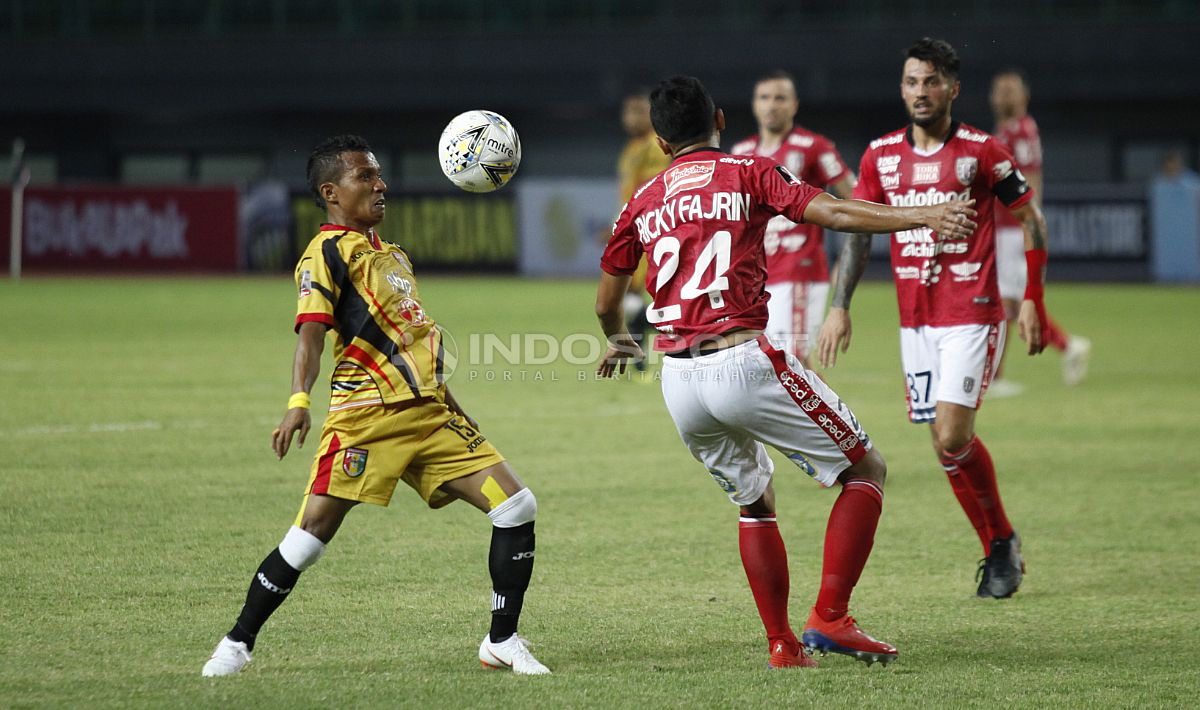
479 151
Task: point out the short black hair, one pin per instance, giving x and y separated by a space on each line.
681 110
937 52
325 162
1014 71
775 75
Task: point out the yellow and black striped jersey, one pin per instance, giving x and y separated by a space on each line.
386 349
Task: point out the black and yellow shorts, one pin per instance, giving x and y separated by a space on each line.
364 451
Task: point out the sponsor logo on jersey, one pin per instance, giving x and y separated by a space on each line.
737 161
399 284
908 272
800 140
1002 169
689 176
831 165
972 136
305 283
926 173
924 198
889 182
968 384
887 164
354 462
888 140
966 271
965 169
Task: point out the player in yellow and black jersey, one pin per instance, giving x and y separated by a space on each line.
391 417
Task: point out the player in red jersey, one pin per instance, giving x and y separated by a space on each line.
952 324
797 269
1017 130
701 224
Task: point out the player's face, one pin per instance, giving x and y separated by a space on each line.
357 197
927 93
1009 97
635 116
775 105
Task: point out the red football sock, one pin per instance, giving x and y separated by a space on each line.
765 561
976 465
1054 335
966 498
849 536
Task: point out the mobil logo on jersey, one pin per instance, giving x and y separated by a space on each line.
689 176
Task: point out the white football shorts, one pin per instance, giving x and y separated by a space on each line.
794 315
948 364
1010 262
726 405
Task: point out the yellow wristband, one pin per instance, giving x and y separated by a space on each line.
299 399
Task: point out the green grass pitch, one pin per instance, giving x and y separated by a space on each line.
140 493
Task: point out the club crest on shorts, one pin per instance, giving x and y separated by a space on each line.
968 384
965 170
354 462
725 484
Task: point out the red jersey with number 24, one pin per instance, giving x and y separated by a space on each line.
701 224
943 283
796 252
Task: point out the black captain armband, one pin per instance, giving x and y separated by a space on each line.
1012 188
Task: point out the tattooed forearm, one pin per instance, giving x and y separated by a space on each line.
851 265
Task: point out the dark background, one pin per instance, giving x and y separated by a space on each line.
224 91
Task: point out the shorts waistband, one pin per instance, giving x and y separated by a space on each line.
688 360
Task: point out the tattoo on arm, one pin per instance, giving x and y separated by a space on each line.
851 266
1035 228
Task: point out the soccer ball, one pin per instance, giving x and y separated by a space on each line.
479 151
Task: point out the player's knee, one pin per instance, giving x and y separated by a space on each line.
518 509
872 467
949 443
301 549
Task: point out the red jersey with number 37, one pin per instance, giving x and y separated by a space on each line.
701 224
943 283
796 252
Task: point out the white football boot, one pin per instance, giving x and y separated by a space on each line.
513 654
229 657
1075 360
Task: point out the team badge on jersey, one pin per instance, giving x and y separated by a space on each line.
965 170
354 462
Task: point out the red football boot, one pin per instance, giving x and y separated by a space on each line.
782 657
843 636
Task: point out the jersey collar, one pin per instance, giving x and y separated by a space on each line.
370 233
690 153
908 134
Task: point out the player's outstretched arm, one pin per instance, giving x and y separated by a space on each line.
305 367
609 296
951 220
1031 320
835 331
